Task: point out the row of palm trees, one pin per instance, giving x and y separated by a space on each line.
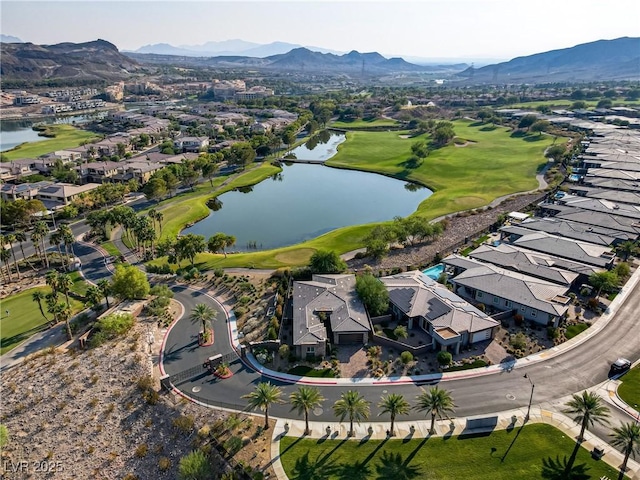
585 409
352 405
61 284
63 236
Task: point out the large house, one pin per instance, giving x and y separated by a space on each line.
327 309
535 299
59 194
423 303
191 144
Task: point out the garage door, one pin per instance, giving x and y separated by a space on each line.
480 336
344 338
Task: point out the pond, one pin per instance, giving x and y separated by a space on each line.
322 146
15 132
305 201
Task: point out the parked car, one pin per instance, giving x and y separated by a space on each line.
620 365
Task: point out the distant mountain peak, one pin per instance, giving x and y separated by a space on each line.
616 59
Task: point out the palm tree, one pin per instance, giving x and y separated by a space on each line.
305 399
436 401
56 239
394 404
262 397
51 277
63 314
20 238
93 296
105 287
627 436
10 238
38 296
351 404
52 300
627 249
586 409
5 256
64 285
203 313
67 238
42 230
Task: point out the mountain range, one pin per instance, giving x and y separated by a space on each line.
234 47
9 39
302 60
617 59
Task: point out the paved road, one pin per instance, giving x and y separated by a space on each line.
582 367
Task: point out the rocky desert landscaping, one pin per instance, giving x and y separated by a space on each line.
99 414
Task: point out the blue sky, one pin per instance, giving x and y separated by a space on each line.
497 29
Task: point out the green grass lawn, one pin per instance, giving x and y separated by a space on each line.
573 330
110 248
377 122
455 458
67 136
25 318
629 390
462 177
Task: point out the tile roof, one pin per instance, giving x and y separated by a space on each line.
334 294
417 295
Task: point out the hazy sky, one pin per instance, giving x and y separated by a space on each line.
498 29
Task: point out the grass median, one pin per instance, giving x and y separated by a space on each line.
501 455
629 390
66 136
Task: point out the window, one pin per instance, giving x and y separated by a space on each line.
507 303
496 300
533 313
479 294
523 308
311 349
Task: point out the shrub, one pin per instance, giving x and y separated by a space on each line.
161 291
481 307
240 311
218 272
444 358
164 464
406 357
518 319
142 450
115 324
400 331
233 445
194 466
283 351
593 304
272 334
622 270
244 300
184 423
4 435
553 333
518 341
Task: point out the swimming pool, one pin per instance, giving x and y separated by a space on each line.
574 178
434 272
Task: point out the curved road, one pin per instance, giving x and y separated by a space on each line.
574 370
577 369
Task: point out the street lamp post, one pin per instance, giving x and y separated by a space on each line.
526 375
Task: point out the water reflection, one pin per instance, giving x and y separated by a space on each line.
413 187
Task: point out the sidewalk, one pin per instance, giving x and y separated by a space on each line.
420 429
